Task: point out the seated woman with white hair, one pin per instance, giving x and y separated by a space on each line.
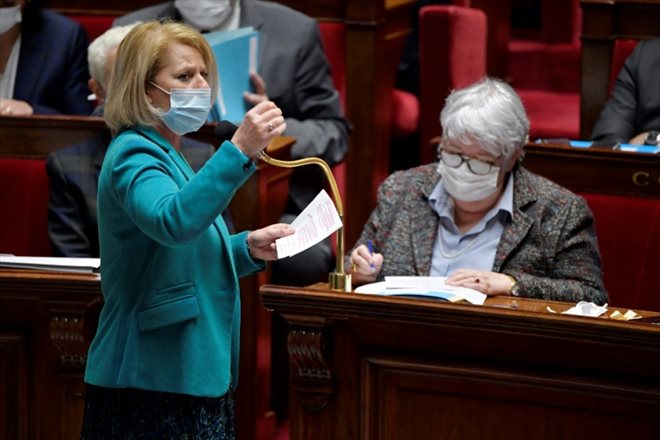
478 216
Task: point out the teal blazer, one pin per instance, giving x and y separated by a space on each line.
169 269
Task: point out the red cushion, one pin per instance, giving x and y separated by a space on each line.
405 113
452 54
333 37
94 25
552 114
539 65
629 241
24 205
620 52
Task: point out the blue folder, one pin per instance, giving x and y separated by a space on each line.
236 55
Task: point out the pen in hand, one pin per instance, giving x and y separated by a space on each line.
370 246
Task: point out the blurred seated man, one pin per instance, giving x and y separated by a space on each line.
478 216
43 68
295 75
632 114
73 172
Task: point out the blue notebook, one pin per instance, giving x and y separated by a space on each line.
236 54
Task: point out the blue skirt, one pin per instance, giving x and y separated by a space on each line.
131 414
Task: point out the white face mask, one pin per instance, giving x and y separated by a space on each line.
9 17
204 15
189 109
463 184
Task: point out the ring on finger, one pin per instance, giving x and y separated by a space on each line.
270 126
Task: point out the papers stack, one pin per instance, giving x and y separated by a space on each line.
59 264
422 287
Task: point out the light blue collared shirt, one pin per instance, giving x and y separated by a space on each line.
476 248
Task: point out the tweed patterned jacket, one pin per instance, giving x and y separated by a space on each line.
549 246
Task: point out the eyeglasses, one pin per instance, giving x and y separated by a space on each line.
477 166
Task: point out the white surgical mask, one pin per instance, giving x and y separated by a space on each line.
463 184
189 109
9 17
204 15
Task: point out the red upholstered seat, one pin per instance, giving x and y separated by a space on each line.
452 54
552 114
545 71
94 25
333 36
621 50
629 241
405 113
24 204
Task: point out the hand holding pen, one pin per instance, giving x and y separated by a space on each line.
365 264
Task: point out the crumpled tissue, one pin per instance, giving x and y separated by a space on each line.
584 308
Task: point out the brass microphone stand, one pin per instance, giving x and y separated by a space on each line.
339 279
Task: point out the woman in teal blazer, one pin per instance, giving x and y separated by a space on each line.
164 359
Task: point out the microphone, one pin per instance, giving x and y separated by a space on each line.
224 130
339 280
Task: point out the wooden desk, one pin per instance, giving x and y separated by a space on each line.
369 367
587 170
603 21
47 321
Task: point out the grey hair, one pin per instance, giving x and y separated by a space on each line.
488 112
97 52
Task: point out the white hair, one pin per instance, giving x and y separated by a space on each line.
488 112
97 52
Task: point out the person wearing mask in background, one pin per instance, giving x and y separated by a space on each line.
632 114
164 360
294 73
478 216
43 69
73 172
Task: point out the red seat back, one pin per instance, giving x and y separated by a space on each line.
452 54
24 205
94 25
629 241
333 37
621 50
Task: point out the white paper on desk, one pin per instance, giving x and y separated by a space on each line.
319 219
60 264
435 283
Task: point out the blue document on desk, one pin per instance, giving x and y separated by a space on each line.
631 148
235 54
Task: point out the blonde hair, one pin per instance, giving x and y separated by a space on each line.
140 56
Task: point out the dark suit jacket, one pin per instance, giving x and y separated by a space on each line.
297 75
73 174
634 106
549 246
52 69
